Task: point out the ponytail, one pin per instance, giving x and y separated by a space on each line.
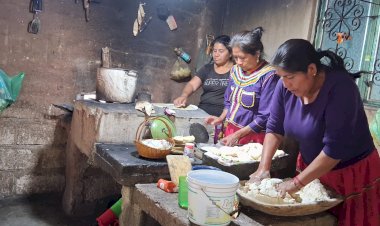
296 55
337 63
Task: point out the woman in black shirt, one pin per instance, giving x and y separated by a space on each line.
212 77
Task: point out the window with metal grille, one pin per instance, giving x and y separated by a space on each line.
351 28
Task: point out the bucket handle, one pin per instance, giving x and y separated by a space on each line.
235 211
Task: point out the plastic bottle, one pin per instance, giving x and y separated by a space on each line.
184 56
167 186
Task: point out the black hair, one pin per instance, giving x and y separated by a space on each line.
249 41
224 40
295 55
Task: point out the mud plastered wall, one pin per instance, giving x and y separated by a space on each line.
61 61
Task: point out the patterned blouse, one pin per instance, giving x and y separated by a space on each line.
248 96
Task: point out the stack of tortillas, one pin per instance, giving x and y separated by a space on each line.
180 142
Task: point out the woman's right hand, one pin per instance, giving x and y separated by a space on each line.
258 176
180 101
213 120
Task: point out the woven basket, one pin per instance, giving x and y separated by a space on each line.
147 151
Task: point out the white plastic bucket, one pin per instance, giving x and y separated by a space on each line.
220 187
116 85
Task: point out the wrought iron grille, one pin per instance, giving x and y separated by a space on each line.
357 19
342 16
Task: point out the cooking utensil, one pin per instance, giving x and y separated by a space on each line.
244 170
144 24
199 132
179 165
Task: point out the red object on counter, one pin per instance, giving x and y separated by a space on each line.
167 186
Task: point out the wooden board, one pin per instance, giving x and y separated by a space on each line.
179 165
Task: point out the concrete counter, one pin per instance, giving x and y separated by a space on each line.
124 165
94 122
150 202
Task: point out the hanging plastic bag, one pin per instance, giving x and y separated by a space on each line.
9 88
180 70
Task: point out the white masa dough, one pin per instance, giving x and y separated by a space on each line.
266 192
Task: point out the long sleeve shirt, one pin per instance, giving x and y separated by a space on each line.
248 97
335 122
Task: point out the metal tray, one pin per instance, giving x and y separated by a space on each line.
243 170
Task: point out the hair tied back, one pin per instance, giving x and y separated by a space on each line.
320 53
257 32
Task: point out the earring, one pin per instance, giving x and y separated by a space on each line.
258 60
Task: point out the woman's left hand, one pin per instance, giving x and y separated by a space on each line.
287 187
230 140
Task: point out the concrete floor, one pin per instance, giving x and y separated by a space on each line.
41 210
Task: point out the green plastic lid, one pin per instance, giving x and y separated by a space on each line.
161 126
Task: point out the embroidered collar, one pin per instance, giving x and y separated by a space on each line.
242 79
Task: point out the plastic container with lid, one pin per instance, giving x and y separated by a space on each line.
189 150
